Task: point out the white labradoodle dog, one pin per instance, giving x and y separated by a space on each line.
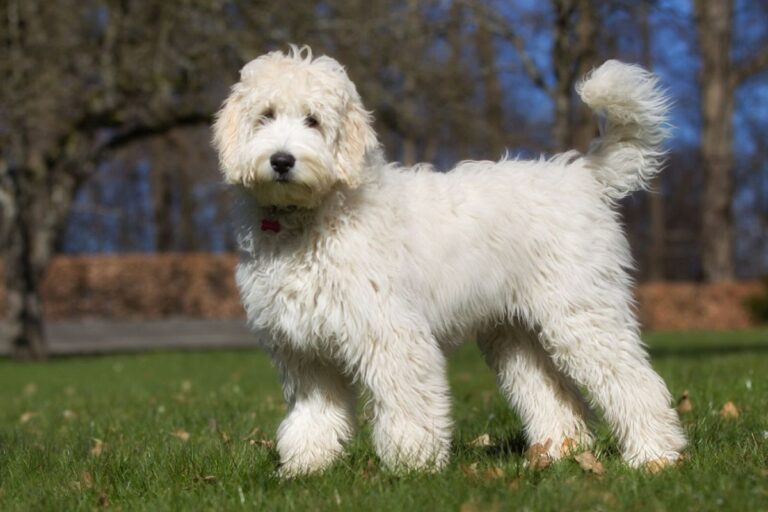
356 271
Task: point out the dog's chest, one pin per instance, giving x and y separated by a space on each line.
298 300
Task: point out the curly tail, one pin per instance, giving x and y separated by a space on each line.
634 108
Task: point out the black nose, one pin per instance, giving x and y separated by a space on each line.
282 162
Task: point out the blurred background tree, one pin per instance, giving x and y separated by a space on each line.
105 106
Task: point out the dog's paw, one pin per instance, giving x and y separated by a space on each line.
414 449
296 468
653 463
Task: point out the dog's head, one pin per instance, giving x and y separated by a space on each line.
292 129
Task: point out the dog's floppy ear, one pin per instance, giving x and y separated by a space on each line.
226 131
355 139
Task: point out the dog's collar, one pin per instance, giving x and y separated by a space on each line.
272 221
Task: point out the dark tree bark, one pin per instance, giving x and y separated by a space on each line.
493 96
656 208
720 77
574 53
162 206
714 21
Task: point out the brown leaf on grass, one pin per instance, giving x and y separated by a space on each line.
493 473
589 463
483 440
253 433
267 443
658 465
181 434
261 441
730 410
469 469
684 405
87 479
568 447
98 447
538 455
224 437
207 479
469 506
103 500
515 484
369 470
24 418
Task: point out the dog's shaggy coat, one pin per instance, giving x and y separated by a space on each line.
355 271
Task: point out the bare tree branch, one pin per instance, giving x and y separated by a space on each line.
745 70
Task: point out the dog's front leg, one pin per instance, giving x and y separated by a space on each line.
406 374
321 413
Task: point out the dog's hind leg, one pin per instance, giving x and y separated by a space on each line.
600 348
321 413
551 408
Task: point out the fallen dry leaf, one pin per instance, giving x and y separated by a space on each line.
224 437
483 440
207 479
267 443
568 447
538 455
87 479
730 410
514 485
684 405
369 470
253 433
98 447
26 417
589 462
469 469
181 434
658 465
493 473
103 499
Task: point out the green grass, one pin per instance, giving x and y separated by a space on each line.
134 404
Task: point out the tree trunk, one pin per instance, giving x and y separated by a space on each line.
656 210
23 271
714 21
584 126
162 199
574 53
493 95
562 62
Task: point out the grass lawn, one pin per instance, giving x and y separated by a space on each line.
183 431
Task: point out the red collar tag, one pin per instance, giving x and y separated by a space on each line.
270 225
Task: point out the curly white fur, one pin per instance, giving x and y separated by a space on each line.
377 269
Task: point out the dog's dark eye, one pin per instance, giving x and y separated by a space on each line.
311 121
268 115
